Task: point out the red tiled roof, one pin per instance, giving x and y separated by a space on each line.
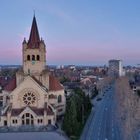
4 81
54 84
11 85
34 38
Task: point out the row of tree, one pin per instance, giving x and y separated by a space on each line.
77 110
8 72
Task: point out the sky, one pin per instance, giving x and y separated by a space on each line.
80 32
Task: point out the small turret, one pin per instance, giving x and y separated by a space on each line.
24 41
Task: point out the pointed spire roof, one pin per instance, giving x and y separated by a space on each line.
34 38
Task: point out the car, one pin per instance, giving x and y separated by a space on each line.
98 99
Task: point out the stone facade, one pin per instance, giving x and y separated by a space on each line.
34 96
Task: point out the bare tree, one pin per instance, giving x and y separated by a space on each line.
127 108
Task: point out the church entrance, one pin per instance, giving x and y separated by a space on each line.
27 119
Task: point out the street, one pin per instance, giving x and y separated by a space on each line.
101 124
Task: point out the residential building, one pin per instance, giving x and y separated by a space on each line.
115 68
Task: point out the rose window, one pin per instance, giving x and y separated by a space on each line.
29 98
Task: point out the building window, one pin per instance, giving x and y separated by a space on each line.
27 119
38 58
23 122
52 96
1 103
49 121
14 121
29 98
59 99
32 122
28 57
27 114
33 57
40 120
5 123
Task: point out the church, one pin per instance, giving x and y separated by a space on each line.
33 96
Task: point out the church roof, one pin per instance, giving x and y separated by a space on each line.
37 111
15 112
37 81
34 38
54 84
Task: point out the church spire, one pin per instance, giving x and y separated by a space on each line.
34 38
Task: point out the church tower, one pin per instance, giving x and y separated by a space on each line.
34 52
34 97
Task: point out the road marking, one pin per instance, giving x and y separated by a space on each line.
98 133
95 127
112 129
112 134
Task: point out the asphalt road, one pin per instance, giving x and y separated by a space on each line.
102 124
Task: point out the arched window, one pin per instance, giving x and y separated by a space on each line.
27 119
59 99
33 57
28 57
38 58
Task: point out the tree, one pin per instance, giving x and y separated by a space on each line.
87 104
83 104
77 110
64 79
70 124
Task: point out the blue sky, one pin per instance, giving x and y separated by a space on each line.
88 32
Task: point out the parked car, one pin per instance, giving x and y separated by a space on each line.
98 99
